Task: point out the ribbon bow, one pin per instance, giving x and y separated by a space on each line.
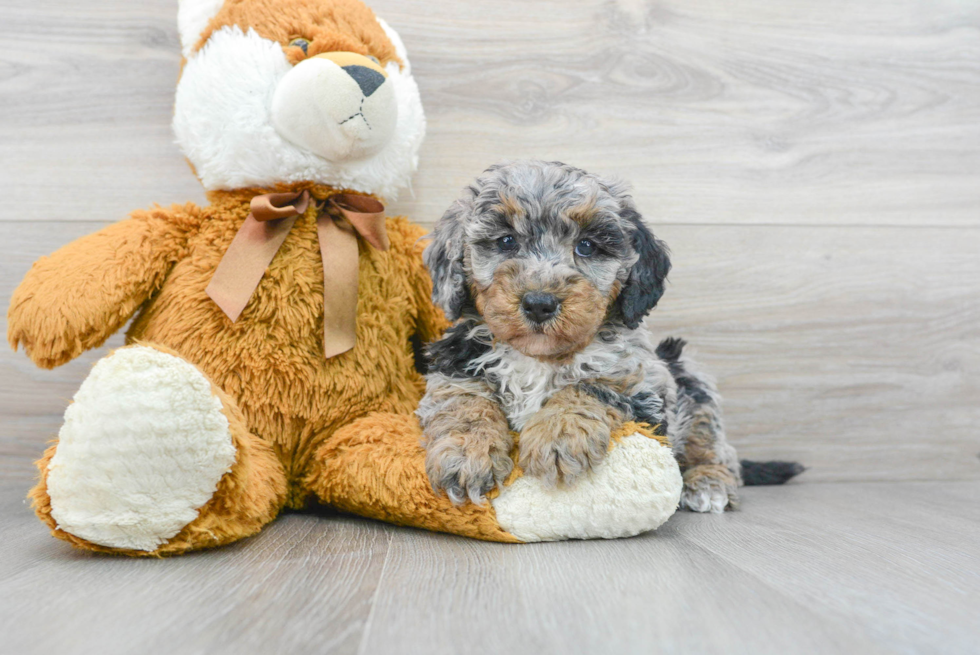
257 242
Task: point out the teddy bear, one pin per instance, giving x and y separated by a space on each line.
269 361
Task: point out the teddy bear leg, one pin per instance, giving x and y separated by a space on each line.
154 460
375 467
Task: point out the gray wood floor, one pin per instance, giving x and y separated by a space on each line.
820 568
815 167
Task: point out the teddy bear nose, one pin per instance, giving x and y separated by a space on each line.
539 306
369 80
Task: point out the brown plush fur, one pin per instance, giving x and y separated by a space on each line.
283 398
399 492
341 26
135 254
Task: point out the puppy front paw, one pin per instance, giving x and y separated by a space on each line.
467 465
709 488
562 446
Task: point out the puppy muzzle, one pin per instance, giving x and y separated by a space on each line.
540 307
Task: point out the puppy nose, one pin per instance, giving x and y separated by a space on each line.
539 306
369 80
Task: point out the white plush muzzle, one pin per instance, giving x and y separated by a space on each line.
338 112
245 117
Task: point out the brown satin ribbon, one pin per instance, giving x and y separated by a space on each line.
260 237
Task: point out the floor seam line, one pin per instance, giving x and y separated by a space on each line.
374 597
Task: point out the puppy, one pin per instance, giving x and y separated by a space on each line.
548 272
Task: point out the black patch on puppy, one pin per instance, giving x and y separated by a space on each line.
643 407
452 354
418 354
649 408
608 397
645 284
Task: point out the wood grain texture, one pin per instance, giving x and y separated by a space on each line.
837 568
815 167
300 587
802 569
853 350
758 112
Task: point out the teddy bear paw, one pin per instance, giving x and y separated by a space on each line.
635 489
142 449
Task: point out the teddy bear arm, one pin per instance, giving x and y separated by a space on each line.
84 292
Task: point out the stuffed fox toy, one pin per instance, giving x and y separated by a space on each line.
270 359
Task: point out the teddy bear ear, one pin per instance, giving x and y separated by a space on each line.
193 17
396 41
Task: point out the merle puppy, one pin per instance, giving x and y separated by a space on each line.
548 272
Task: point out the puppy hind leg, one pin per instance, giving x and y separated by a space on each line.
709 463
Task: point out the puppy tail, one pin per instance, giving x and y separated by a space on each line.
670 349
775 472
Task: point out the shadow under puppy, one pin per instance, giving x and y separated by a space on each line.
548 272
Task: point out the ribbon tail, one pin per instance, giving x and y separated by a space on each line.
370 226
338 249
244 263
367 215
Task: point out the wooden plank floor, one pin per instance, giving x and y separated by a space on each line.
815 167
820 568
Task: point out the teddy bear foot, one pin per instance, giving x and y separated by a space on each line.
635 489
142 449
375 467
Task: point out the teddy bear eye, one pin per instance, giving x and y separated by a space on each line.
300 43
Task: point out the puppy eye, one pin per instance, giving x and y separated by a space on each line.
585 248
300 43
507 243
374 59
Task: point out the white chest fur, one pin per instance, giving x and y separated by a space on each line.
523 384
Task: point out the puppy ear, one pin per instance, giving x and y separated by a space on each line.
444 259
645 284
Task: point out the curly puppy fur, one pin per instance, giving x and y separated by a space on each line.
569 435
548 272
